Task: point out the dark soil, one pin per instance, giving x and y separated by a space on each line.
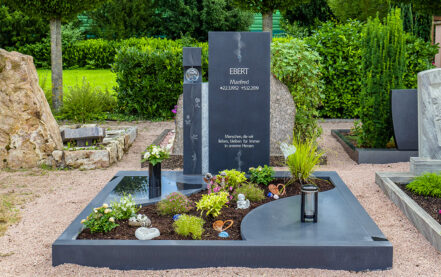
165 223
430 204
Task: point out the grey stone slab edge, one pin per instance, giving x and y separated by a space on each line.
371 156
428 226
133 254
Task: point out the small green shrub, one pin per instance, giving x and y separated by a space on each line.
428 184
125 208
188 224
234 178
84 103
101 220
299 68
302 163
212 203
174 203
251 192
383 70
261 175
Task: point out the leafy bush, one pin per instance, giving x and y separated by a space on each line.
251 192
297 66
212 203
83 103
174 203
302 163
188 224
419 57
125 208
261 175
428 184
233 177
101 220
383 70
339 45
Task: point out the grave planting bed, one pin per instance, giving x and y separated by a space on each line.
371 155
420 210
345 237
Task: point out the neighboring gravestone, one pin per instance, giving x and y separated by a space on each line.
192 110
239 100
87 136
429 123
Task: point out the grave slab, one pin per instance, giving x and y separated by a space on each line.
358 250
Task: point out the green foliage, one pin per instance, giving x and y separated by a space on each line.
383 69
339 45
429 7
359 9
174 203
419 57
263 7
18 29
212 203
188 224
252 192
155 154
428 184
298 67
261 175
125 208
84 103
234 177
416 23
295 29
302 163
309 14
120 19
101 220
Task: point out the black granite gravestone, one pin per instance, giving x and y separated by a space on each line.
239 100
192 110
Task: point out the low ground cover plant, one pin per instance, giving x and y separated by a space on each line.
251 191
101 220
125 208
174 203
261 175
428 184
188 224
212 203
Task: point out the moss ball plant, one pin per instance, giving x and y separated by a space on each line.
428 184
188 224
174 203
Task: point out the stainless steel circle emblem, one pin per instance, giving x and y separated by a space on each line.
192 74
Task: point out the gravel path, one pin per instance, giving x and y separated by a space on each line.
25 249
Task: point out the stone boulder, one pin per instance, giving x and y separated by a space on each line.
282 118
28 131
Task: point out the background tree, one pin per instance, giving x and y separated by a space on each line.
55 11
267 8
120 19
359 9
309 14
430 7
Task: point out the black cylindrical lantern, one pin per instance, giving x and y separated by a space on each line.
154 180
309 205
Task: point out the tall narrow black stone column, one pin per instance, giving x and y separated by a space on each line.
192 110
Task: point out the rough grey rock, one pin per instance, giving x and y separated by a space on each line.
282 118
144 233
140 220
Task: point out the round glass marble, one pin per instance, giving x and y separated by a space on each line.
192 74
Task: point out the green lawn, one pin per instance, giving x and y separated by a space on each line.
102 78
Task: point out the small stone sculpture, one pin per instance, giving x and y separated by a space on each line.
140 220
242 203
144 233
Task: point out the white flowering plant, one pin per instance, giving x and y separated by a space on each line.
125 208
101 220
155 154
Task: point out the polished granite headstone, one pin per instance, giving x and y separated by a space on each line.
239 100
192 110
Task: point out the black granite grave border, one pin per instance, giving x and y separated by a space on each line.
371 155
167 254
